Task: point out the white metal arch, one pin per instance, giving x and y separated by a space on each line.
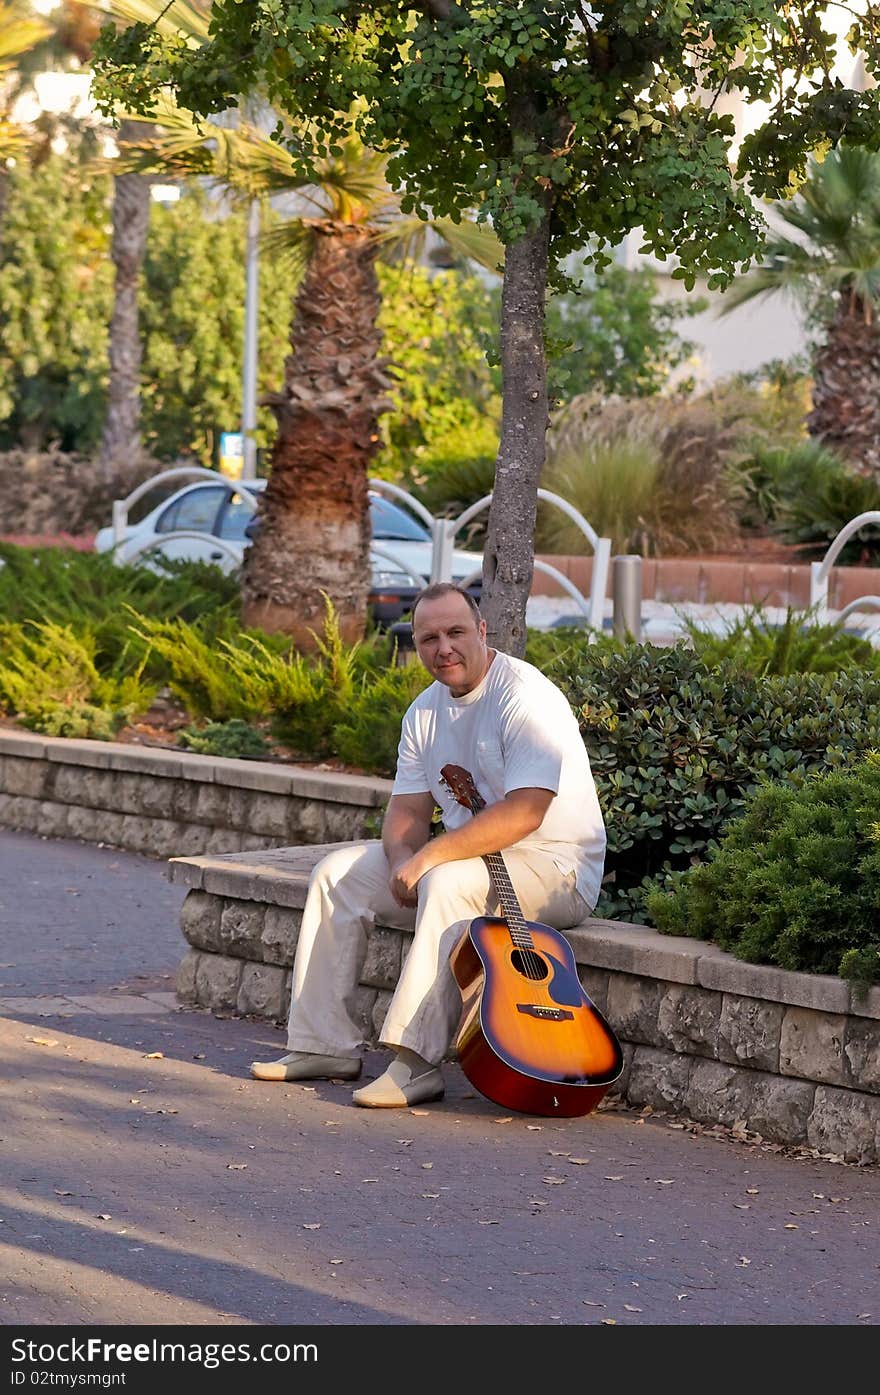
819 571
122 507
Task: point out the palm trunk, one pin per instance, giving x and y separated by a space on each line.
121 441
314 535
508 558
846 387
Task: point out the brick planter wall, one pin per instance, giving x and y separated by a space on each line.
793 1057
164 803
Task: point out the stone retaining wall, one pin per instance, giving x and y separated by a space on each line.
164 803
793 1057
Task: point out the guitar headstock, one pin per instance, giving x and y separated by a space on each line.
460 783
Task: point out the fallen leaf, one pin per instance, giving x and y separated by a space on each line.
630 1309
609 1322
535 1128
369 1179
554 1153
427 1166
154 1055
863 1315
589 1304
43 1041
838 1198
742 1206
337 1261
818 1196
742 1262
312 1225
236 1167
751 1191
422 1111
135 1099
664 1181
198 1055
103 1216
508 1119
616 1177
430 1196
680 1296
405 1141
790 1225
579 1162
488 1222
553 1181
58 1193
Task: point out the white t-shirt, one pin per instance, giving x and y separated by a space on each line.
515 730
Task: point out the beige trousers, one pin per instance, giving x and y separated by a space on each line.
350 889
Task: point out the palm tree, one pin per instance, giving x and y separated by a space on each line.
833 269
313 542
121 438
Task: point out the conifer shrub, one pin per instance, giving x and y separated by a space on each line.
233 738
795 881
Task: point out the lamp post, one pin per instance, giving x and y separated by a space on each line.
249 366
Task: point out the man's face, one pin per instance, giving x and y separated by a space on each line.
451 643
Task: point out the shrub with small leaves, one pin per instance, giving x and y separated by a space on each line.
795 881
677 747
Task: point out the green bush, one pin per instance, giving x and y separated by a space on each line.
368 735
800 644
233 738
50 679
795 881
677 747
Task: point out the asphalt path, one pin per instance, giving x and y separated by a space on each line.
146 1179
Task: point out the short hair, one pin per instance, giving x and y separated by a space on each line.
446 588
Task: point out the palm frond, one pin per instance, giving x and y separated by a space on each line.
189 17
19 33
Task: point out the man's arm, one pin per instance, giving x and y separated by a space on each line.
494 828
406 829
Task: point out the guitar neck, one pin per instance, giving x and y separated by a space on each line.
510 907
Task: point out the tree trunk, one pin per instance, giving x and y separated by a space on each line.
508 558
846 387
314 534
121 441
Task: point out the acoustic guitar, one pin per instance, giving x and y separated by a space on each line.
530 1038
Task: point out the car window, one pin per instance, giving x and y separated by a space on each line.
238 512
196 510
390 521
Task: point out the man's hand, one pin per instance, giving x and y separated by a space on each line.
405 878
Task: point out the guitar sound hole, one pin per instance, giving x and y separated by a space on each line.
529 964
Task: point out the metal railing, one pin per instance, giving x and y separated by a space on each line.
442 532
819 571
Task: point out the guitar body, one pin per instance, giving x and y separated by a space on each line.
530 1038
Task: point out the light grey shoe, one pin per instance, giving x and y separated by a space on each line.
400 1086
307 1065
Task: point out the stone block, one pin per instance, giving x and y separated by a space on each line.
635 949
718 1093
366 1012
217 982
862 1054
192 839
811 1045
212 805
687 1019
846 1123
779 1108
200 921
186 976
633 1008
748 1032
97 826
262 813
24 776
261 991
256 842
823 992
80 784
280 934
865 1001
52 822
382 964
619 1088
222 840
241 929
147 795
595 984
657 1078
306 823
19 811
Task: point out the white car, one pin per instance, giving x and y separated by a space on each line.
208 522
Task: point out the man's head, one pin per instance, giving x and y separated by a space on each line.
450 637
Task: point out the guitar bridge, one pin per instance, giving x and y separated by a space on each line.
548 1014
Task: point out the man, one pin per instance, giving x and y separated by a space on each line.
513 729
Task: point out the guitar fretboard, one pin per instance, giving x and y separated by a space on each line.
516 923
